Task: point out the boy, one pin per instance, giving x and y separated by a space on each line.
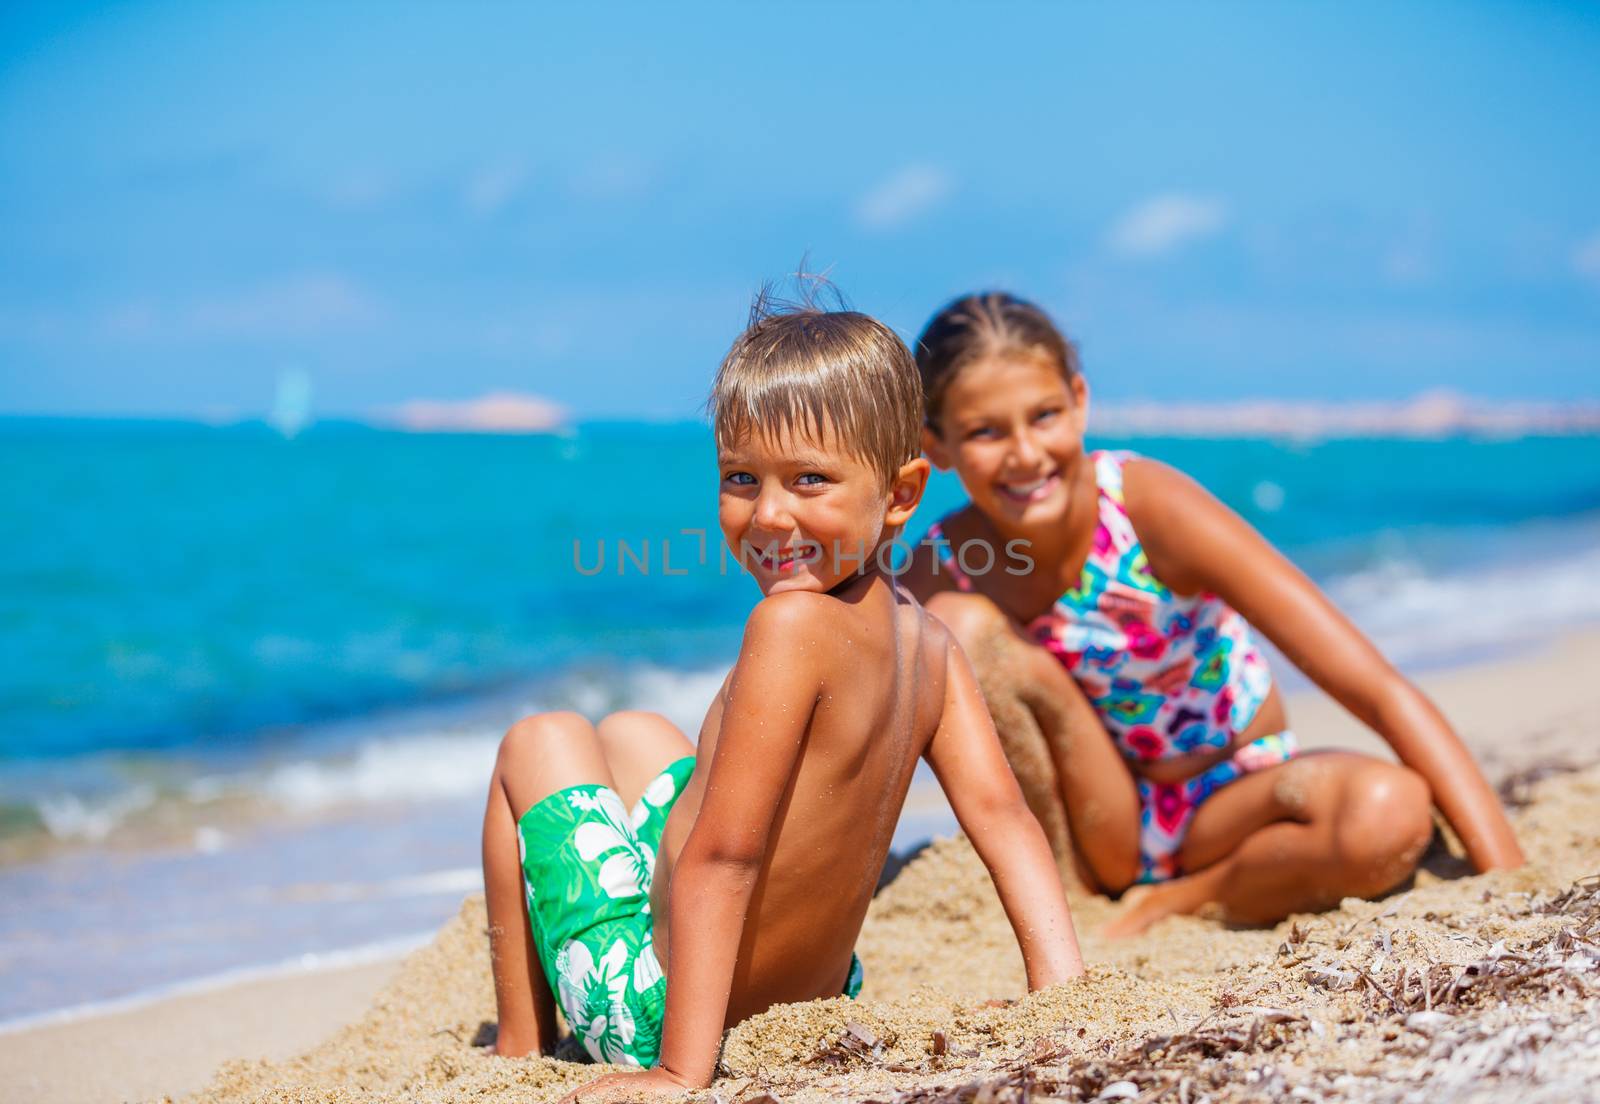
755 857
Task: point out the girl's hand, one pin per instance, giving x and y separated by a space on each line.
650 1084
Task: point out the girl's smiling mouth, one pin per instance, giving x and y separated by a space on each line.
1032 490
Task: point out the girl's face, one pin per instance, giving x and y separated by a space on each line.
1012 428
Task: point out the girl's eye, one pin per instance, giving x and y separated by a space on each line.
978 433
740 479
1046 415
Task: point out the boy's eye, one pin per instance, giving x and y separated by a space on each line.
1047 414
740 479
978 432
811 479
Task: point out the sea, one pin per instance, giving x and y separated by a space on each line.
251 686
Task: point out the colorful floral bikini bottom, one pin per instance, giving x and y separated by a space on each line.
1166 809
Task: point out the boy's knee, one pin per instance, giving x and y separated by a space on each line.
1385 825
626 728
531 736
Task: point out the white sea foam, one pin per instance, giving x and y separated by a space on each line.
69 817
394 770
448 883
397 767
443 766
1415 615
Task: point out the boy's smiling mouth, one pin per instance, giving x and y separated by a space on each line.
789 558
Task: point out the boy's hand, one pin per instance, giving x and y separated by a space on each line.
966 757
650 1084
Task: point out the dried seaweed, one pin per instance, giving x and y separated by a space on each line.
1228 1054
1517 789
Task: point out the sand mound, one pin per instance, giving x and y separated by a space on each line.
1467 987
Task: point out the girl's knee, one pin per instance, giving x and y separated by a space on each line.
972 617
1116 874
1384 825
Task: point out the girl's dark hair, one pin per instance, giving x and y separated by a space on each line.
979 326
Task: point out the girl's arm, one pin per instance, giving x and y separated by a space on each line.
1195 543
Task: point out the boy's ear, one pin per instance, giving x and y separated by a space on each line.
934 447
1080 402
905 492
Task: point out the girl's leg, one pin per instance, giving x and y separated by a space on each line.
1071 774
538 756
1297 837
637 747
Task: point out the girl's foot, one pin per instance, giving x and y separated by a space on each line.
1143 905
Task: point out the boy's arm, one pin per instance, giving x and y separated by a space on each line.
772 692
965 755
1197 543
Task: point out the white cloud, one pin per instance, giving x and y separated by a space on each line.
358 190
1407 264
301 304
904 196
1586 258
492 188
293 306
1164 223
132 321
613 177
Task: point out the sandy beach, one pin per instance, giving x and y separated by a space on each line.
1472 987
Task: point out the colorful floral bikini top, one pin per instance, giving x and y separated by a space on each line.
1168 675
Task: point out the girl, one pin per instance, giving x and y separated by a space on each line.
1121 665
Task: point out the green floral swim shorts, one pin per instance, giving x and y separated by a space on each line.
586 864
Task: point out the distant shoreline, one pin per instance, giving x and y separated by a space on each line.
1438 414
1427 416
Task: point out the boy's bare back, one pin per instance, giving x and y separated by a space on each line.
869 667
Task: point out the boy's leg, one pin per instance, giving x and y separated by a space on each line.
637 747
1071 774
1297 837
538 756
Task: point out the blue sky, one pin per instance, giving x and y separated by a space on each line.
1331 201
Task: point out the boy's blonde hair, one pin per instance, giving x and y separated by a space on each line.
802 370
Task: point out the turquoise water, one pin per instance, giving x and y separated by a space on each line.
335 629
177 588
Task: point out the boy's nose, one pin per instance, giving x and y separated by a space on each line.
772 512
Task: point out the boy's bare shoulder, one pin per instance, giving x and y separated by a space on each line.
791 611
795 629
933 632
937 647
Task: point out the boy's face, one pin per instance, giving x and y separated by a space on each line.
805 515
